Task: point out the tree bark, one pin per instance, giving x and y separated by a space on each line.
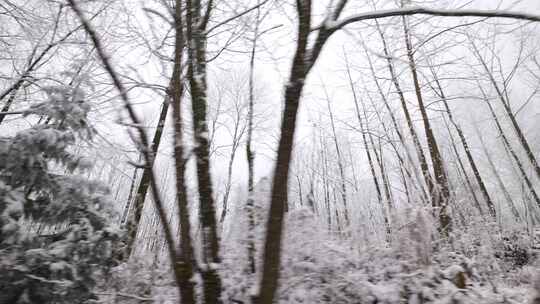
441 193
134 219
185 260
196 24
424 167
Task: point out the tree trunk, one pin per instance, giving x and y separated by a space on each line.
197 75
425 173
468 182
506 105
340 165
134 219
228 185
470 158
507 196
185 260
128 205
250 155
441 192
424 167
511 150
363 130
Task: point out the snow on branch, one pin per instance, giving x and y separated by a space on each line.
338 24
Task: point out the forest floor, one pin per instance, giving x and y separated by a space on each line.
477 266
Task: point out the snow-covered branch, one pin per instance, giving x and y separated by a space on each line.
336 25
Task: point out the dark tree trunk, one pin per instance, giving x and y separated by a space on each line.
441 193
185 260
424 167
463 171
134 219
196 24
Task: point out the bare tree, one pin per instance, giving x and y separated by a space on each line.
304 59
506 105
134 219
144 147
197 18
184 259
339 161
364 130
239 126
468 153
494 170
424 167
37 58
509 148
441 193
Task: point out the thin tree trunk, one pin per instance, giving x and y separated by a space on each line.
336 211
325 181
470 158
250 154
340 164
509 148
353 168
304 59
133 224
366 147
442 191
387 207
129 204
507 196
278 202
423 195
379 160
506 105
299 183
228 185
464 171
379 156
405 184
424 167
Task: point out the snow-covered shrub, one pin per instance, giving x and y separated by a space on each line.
139 281
55 230
320 268
238 282
413 235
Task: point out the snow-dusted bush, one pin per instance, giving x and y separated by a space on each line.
55 230
145 280
318 268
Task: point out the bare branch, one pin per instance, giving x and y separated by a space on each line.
146 151
408 11
236 16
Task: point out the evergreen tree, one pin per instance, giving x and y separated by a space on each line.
56 232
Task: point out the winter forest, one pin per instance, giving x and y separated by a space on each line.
270 151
